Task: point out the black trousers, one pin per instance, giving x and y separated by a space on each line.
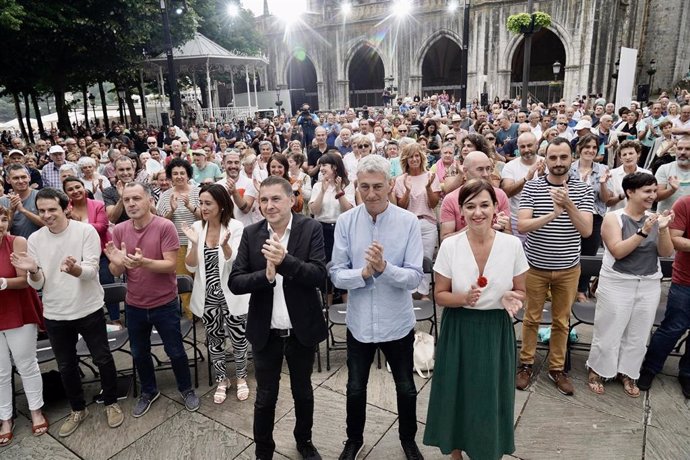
267 366
63 337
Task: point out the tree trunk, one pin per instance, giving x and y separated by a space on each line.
131 108
18 111
64 124
142 95
37 111
104 106
27 108
84 97
204 92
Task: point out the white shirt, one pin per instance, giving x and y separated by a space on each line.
280 318
515 170
677 123
245 187
330 206
615 185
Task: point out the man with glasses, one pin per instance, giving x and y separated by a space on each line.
315 153
344 142
681 125
534 124
361 147
402 131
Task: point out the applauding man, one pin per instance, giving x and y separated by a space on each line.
280 262
145 248
62 260
377 257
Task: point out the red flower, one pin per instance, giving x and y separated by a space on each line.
482 281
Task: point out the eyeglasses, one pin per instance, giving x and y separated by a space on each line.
490 138
184 142
387 132
402 130
152 143
450 138
561 123
361 146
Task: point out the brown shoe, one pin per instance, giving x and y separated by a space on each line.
562 382
523 379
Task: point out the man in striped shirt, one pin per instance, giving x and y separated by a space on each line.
555 212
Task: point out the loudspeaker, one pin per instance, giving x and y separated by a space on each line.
165 119
484 99
642 92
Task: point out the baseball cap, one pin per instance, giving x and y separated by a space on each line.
13 151
56 149
455 118
583 124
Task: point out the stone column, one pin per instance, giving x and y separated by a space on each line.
503 85
322 95
415 85
343 94
572 85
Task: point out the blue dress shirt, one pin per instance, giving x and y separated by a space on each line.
379 308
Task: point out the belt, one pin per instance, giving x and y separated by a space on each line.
281 332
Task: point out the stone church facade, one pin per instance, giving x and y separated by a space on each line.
353 58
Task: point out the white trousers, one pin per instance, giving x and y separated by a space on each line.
21 344
622 322
429 240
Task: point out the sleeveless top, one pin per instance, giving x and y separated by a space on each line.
643 261
17 306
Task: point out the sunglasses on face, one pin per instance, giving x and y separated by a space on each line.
490 138
387 132
402 130
361 146
561 123
184 142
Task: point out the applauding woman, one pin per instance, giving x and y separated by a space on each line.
213 243
20 318
472 393
419 191
629 285
331 196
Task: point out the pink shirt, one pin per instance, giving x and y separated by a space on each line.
419 203
450 209
146 289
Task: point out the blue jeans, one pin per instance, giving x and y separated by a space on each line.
166 320
105 277
360 355
676 322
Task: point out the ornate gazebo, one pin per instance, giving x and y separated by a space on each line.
201 54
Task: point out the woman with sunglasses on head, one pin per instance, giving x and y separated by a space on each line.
379 146
21 318
213 244
331 196
279 166
419 191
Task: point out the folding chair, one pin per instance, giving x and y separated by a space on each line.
584 311
425 310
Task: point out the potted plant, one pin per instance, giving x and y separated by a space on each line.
524 23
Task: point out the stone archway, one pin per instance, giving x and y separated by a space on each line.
301 79
442 67
366 77
547 48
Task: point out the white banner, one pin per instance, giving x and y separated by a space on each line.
626 77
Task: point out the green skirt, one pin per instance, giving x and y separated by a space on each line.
473 389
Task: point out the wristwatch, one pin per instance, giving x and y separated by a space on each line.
38 269
641 233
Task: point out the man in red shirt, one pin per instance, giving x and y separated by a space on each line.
677 317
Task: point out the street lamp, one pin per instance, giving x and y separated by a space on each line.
651 72
92 101
278 101
614 75
121 103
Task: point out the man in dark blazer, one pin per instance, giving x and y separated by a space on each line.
281 263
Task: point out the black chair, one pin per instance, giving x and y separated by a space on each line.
425 310
112 293
584 311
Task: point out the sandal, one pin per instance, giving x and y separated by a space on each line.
6 439
595 383
41 428
582 298
221 392
629 386
242 391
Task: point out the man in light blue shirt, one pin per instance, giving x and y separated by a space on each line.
377 257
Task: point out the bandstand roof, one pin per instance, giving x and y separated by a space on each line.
201 51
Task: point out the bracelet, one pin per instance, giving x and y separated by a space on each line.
339 195
38 269
244 206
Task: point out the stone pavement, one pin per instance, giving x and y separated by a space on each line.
548 425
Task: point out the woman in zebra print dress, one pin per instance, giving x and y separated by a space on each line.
213 244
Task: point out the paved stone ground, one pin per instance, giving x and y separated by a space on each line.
548 425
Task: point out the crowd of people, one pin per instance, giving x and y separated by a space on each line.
263 214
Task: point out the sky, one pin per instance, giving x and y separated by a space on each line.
276 7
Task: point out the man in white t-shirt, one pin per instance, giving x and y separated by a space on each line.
681 125
674 178
516 173
241 189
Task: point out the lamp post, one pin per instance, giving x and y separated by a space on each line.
121 103
651 72
278 101
614 76
465 51
92 101
556 67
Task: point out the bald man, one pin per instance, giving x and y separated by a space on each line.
477 166
516 173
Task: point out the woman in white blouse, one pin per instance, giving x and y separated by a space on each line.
331 196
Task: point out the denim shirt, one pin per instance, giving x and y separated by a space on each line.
598 170
379 308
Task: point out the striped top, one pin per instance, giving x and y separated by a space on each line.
182 214
556 245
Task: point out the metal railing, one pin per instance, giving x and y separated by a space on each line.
221 114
